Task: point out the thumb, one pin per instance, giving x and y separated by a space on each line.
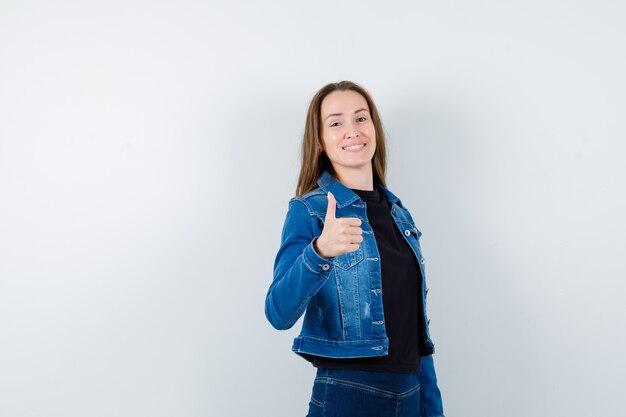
330 210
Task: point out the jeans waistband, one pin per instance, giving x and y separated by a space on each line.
389 381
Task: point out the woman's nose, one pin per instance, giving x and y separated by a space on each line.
352 130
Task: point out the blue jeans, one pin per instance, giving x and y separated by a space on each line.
348 393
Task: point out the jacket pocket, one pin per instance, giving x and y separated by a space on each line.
350 259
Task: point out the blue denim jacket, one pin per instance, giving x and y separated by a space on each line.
342 296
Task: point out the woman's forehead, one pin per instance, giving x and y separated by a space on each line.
343 101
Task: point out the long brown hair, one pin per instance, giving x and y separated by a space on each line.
314 160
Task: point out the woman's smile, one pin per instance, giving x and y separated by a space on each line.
354 148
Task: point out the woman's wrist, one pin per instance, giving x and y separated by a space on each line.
317 250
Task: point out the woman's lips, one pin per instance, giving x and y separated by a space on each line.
355 148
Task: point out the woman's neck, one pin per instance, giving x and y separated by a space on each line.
360 178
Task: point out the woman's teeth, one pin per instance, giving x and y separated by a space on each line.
354 147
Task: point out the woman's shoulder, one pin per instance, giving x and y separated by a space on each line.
315 201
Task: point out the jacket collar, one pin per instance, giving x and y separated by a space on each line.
344 195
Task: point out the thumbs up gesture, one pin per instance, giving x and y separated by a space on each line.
339 235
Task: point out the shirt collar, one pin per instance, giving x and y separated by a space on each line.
344 195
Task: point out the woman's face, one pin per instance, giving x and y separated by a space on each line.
348 133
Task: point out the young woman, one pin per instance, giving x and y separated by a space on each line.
350 261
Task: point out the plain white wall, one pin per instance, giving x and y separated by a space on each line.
148 151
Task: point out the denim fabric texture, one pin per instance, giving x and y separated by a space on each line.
348 393
340 297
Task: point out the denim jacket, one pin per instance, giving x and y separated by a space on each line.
341 297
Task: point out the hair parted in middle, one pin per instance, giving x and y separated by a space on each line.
314 160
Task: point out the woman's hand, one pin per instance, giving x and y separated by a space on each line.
339 236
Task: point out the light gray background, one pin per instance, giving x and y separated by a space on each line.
148 151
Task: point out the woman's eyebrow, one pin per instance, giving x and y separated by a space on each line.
340 114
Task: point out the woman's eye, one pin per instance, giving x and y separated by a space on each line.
362 119
334 124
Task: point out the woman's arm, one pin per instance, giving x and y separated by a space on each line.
299 271
430 395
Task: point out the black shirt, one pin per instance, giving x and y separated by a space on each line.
402 296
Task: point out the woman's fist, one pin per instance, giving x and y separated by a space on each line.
339 236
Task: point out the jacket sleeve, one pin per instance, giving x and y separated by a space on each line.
299 271
432 405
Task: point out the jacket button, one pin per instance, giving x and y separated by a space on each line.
422 261
407 232
325 267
